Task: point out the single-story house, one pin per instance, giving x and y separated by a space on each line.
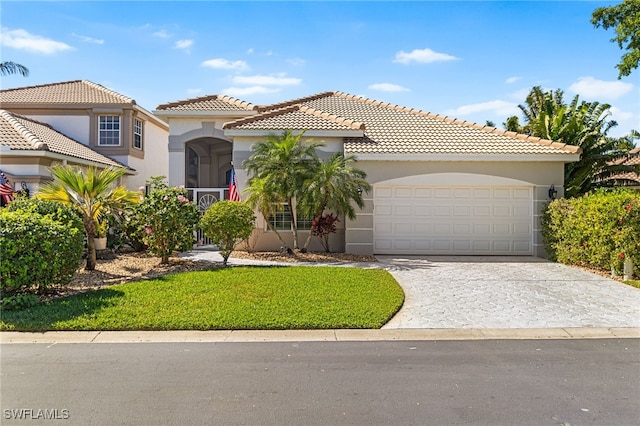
29 147
107 122
440 185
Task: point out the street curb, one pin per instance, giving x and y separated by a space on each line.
341 335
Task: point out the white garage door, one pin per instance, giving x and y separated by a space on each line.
464 220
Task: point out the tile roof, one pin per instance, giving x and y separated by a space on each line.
69 92
20 133
390 129
208 103
632 159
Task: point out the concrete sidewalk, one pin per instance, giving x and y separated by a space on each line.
342 335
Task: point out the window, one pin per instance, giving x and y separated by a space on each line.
281 219
109 130
137 134
304 223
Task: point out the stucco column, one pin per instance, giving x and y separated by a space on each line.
176 161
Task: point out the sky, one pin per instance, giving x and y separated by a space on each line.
472 60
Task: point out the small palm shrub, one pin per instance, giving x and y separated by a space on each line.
601 229
227 223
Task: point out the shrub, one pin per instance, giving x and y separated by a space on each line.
126 228
169 219
37 251
59 212
600 229
227 223
323 227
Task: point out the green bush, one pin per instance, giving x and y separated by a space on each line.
59 212
36 251
227 223
169 219
600 229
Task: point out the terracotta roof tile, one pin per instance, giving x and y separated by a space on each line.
24 134
70 92
394 129
208 103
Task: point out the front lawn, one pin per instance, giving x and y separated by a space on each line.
256 298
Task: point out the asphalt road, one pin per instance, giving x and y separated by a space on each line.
487 382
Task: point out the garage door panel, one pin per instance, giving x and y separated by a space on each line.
453 220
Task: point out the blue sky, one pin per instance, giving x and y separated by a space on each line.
471 60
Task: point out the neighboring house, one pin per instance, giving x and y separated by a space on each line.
107 122
630 179
28 148
440 185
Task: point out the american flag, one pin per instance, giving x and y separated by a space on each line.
6 190
233 186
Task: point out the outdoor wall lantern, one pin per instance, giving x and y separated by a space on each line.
359 190
553 192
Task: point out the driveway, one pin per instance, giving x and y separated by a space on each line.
506 292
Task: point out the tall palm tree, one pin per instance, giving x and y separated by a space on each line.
266 200
7 68
582 124
334 186
285 162
91 193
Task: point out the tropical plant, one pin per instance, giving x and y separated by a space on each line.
8 67
335 184
92 193
263 195
283 163
625 18
227 223
582 124
168 218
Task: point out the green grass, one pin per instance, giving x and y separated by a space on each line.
256 298
633 283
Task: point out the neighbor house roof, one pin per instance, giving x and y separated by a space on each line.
19 133
208 103
632 159
392 129
69 92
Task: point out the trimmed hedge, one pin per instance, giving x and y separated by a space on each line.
38 251
600 229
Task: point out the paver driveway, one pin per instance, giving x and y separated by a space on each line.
507 292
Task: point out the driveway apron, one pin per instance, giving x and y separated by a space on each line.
506 292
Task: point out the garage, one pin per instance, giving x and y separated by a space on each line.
453 219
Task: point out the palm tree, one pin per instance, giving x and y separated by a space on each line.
335 184
582 124
284 162
92 194
266 200
7 68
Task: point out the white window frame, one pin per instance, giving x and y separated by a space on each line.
105 134
280 216
138 134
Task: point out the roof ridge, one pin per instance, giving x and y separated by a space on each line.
234 101
26 133
41 85
281 105
333 117
108 91
261 116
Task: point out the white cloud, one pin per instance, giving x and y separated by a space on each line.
250 50
162 34
267 80
497 107
194 91
619 115
512 80
520 95
424 56
225 64
87 39
22 40
599 89
183 44
388 87
296 62
251 90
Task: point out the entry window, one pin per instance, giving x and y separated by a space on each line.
137 134
304 223
281 219
109 130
